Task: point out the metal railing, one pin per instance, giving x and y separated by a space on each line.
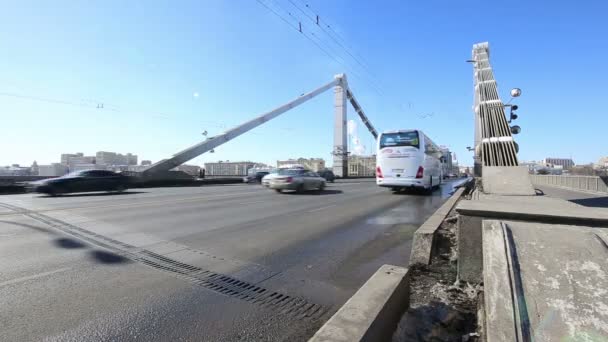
586 183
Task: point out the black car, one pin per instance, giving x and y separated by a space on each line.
83 181
255 178
328 175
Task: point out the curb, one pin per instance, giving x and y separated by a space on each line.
373 312
422 246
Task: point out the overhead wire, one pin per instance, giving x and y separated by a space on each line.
100 105
298 29
317 21
335 36
342 61
324 23
370 78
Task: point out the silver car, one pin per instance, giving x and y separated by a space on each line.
296 179
266 179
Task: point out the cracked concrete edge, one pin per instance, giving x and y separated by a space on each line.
373 312
500 311
422 246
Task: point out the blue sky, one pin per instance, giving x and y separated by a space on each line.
145 60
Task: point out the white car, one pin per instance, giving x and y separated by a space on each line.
299 180
266 179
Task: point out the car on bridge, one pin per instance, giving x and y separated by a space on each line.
256 177
275 173
266 179
299 180
328 175
83 181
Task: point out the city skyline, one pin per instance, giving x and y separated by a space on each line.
328 160
155 91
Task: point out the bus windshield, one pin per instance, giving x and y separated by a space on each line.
400 139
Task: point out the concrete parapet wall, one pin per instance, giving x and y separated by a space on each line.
373 312
422 246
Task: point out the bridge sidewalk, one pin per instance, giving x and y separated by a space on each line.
542 260
545 282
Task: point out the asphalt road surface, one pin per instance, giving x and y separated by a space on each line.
214 263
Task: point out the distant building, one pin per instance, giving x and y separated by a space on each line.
87 166
14 170
602 163
53 170
540 167
115 168
361 166
65 158
566 163
113 158
260 168
446 160
106 158
465 170
137 168
228 168
146 162
34 169
314 164
583 170
192 170
533 166
74 163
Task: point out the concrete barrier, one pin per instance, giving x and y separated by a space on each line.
371 314
593 184
422 247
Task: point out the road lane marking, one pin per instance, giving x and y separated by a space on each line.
35 276
322 208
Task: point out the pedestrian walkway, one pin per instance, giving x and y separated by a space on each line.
586 199
543 261
545 282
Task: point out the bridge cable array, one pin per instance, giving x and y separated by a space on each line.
495 145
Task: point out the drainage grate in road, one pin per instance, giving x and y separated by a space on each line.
282 304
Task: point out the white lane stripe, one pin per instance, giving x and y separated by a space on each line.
39 275
322 208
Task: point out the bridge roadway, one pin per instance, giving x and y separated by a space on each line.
81 267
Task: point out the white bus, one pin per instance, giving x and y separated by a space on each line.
407 159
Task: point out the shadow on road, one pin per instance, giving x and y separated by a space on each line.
69 243
598 202
315 193
108 257
87 194
414 191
